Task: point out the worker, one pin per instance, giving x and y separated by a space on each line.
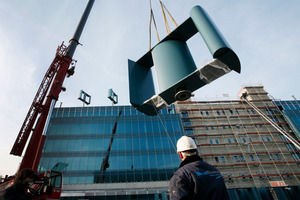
195 179
20 190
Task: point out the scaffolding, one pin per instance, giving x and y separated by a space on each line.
235 136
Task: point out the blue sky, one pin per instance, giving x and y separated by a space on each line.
264 34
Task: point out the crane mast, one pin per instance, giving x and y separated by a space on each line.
45 99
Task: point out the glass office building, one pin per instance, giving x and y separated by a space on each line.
291 113
142 148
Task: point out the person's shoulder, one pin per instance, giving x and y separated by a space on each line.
179 172
184 170
200 165
203 163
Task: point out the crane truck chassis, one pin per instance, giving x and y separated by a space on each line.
47 187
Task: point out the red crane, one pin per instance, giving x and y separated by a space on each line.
40 109
44 101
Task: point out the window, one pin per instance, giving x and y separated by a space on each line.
250 176
243 176
269 111
242 158
229 178
271 157
244 140
277 156
187 123
229 140
207 113
185 114
216 141
223 159
258 157
217 159
170 111
186 120
218 112
252 157
268 139
236 159
189 131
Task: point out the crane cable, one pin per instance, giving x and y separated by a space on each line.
163 8
152 17
157 113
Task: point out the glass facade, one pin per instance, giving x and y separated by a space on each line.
291 112
142 148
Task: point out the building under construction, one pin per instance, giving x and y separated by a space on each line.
249 151
258 158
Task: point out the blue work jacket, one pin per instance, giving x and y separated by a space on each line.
195 180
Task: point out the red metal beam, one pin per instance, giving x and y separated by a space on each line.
34 149
37 104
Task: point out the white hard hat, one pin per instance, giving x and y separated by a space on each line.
185 143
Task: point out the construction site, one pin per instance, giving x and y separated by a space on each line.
256 160
129 151
235 137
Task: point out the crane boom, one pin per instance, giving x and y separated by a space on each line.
37 104
45 99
